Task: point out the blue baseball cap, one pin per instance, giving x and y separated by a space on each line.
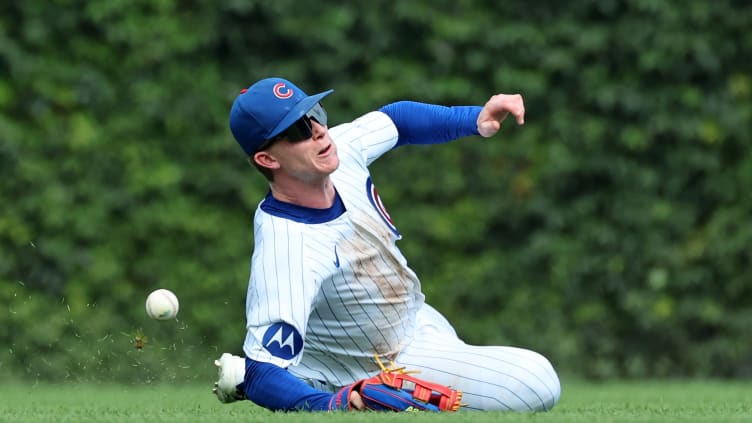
266 108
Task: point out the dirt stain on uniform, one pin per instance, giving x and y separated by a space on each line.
375 261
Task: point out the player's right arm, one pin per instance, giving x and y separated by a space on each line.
390 390
275 388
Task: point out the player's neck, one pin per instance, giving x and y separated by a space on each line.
319 195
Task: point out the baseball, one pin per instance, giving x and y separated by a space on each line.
162 304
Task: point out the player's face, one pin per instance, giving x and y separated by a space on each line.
309 159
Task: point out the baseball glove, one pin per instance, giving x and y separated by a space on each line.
394 389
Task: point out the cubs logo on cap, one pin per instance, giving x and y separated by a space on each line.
281 90
266 108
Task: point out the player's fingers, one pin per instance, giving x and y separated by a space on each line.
356 401
516 107
489 128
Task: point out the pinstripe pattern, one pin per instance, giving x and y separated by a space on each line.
346 313
347 289
490 377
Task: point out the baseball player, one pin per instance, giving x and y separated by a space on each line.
335 317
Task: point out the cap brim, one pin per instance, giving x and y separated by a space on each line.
298 111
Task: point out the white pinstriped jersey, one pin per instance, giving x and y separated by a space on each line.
325 297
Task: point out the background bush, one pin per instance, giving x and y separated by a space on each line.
610 233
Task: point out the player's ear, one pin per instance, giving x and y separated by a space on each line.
265 159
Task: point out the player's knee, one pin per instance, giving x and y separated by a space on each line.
543 383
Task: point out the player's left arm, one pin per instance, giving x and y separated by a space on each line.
421 123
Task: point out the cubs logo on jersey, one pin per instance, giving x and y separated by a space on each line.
283 341
373 197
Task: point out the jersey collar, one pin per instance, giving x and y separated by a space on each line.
303 214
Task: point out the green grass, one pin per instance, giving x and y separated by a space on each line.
694 401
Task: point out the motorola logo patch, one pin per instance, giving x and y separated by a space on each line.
283 341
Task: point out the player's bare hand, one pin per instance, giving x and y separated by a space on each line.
356 401
496 109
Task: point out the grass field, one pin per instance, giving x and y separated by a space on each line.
695 401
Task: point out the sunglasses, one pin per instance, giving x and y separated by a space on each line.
302 129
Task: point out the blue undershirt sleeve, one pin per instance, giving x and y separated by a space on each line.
420 123
273 387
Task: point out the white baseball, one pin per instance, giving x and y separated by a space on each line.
162 304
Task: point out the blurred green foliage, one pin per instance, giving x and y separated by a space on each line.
611 232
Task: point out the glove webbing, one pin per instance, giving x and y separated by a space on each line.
445 398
